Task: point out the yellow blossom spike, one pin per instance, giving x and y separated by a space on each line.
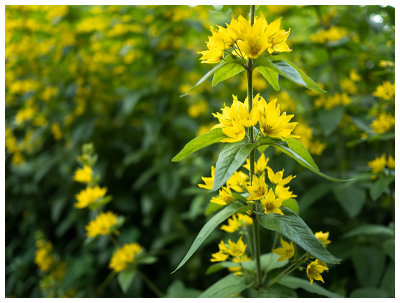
83 175
124 256
236 249
89 196
390 162
102 224
285 252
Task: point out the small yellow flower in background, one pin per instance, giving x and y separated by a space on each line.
332 34
219 257
354 76
314 270
89 196
385 91
286 251
271 203
323 237
378 164
83 175
277 178
44 255
286 102
390 162
259 166
348 86
198 109
124 256
238 181
102 224
317 147
383 123
272 123
56 131
204 128
238 270
237 221
208 181
258 189
385 63
329 102
224 197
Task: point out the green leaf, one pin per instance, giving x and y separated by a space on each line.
389 248
271 75
370 230
146 259
214 136
314 194
296 283
330 118
293 73
298 147
369 262
293 227
227 71
229 160
125 279
291 204
388 279
224 214
291 153
212 207
178 290
350 197
379 187
369 292
205 77
226 287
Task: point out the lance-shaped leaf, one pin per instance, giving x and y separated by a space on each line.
296 283
268 71
229 160
293 73
298 152
221 216
226 287
214 136
293 227
227 71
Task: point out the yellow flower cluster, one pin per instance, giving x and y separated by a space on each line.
378 164
332 34
383 123
236 222
44 255
385 91
198 109
83 175
102 224
124 256
272 123
329 102
246 41
89 196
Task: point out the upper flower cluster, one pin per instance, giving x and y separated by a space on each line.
246 40
234 119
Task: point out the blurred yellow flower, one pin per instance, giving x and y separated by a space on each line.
89 196
378 164
332 34
385 91
197 109
383 123
56 131
314 270
124 256
101 225
286 251
83 175
323 237
390 162
44 255
236 222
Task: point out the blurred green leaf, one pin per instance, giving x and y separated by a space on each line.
226 287
379 186
275 291
330 118
369 292
125 279
292 205
350 197
369 262
370 230
293 227
313 194
388 280
227 71
178 290
295 283
389 248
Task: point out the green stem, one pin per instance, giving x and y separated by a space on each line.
256 228
103 285
151 285
289 269
270 260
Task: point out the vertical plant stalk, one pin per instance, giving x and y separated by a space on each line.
256 228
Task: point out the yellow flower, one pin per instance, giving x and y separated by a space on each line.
236 269
323 237
286 102
83 175
43 256
272 203
385 63
238 181
89 196
272 123
219 257
236 249
236 132
102 224
348 86
385 91
224 197
236 222
277 178
56 131
197 109
354 76
208 181
383 123
124 256
317 147
258 189
390 162
314 270
378 164
285 252
259 166
242 111
332 34
283 193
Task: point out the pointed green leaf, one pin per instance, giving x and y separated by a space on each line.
351 197
293 227
291 204
379 187
330 118
214 136
370 230
226 287
298 147
227 71
296 283
291 72
271 75
221 216
229 160
212 207
125 279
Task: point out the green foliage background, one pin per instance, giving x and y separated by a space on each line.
112 75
